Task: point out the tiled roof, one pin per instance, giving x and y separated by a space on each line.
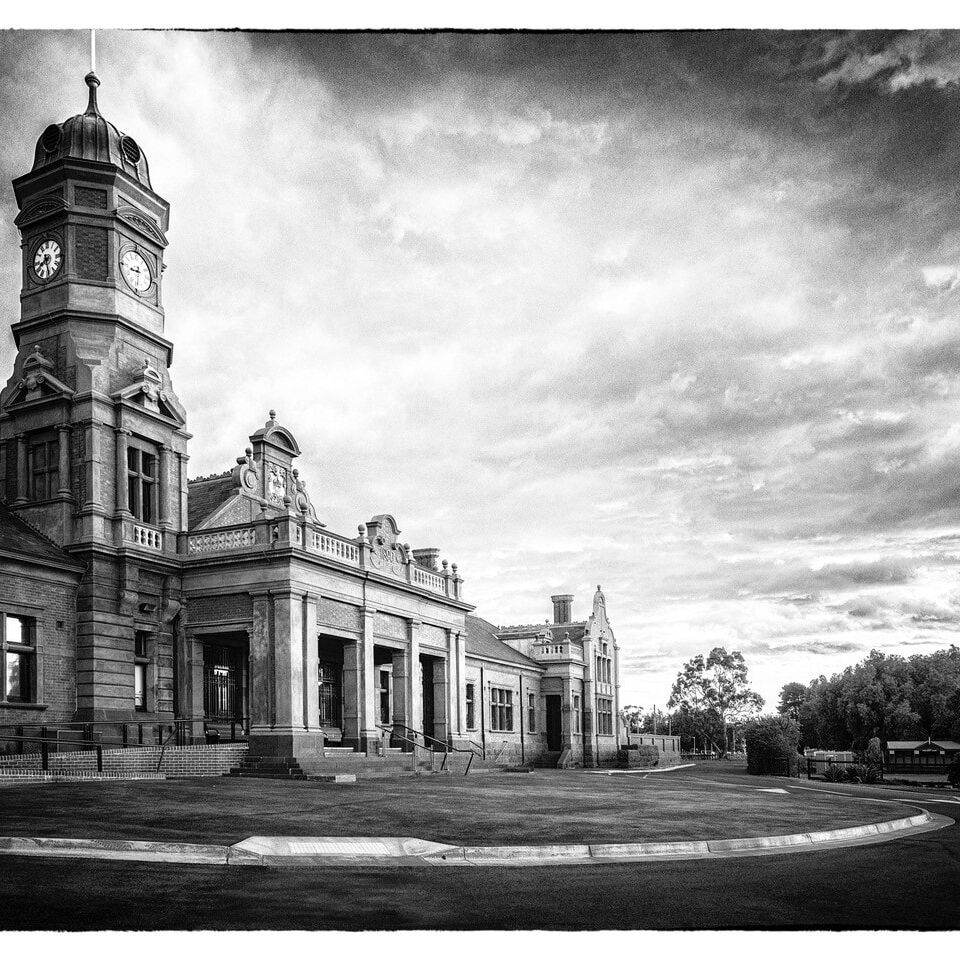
576 630
205 496
482 642
18 537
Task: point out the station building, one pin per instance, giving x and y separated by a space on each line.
129 592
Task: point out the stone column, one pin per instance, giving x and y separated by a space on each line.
121 471
261 668
454 682
164 492
182 459
461 691
589 705
311 692
415 694
288 662
441 700
23 473
63 447
401 695
91 464
193 702
352 694
369 732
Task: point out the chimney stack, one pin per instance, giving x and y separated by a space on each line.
428 557
562 607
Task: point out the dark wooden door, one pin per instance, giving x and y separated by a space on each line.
554 726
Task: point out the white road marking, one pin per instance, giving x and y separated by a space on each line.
770 790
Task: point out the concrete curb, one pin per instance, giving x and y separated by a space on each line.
614 773
397 851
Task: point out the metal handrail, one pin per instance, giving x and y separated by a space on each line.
413 743
446 747
45 750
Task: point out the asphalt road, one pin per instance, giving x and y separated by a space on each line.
913 883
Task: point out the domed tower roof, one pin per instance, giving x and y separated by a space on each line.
89 136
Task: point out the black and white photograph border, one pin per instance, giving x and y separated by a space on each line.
514 441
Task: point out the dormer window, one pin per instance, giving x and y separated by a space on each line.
44 466
142 476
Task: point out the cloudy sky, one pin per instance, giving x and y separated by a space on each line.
673 313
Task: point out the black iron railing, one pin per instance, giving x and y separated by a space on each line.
89 735
409 736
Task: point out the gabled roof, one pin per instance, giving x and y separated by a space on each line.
17 537
482 642
205 495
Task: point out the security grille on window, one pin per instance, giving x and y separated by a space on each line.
605 717
140 664
532 712
44 462
471 708
576 713
142 484
18 647
501 709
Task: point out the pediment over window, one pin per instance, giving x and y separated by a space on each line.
40 209
147 228
147 391
38 382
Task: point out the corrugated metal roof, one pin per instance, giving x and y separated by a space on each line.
482 642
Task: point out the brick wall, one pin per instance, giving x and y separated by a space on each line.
333 613
202 760
55 667
388 625
216 609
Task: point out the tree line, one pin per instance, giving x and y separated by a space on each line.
710 702
890 697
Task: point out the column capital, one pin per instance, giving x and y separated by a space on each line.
122 432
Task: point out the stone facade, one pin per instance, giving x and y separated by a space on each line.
226 598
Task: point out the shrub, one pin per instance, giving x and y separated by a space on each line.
873 756
856 772
772 746
835 774
874 773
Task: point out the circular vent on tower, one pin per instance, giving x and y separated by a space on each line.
130 149
51 138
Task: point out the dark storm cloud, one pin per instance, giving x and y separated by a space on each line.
674 312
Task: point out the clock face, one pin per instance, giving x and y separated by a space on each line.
47 260
135 271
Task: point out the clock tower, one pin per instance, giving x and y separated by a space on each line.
92 436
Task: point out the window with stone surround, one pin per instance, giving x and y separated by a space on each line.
43 460
576 713
140 664
501 709
532 712
605 717
471 707
142 476
18 651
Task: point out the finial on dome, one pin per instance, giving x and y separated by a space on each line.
92 81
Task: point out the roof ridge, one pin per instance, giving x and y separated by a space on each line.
211 476
36 531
